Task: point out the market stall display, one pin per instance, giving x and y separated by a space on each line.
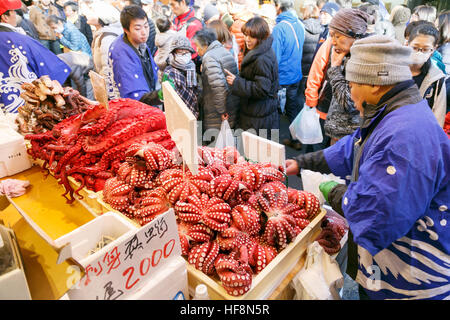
46 104
91 146
240 227
233 216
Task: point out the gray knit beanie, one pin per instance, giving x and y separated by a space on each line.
180 41
378 60
210 11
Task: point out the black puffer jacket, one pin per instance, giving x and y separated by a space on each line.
151 37
313 29
257 86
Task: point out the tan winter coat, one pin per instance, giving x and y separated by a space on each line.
38 17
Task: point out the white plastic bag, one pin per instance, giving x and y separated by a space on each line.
311 181
320 278
225 137
306 126
282 98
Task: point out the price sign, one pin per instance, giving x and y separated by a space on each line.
263 150
99 88
130 264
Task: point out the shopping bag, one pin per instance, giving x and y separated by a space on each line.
320 278
306 126
282 98
225 137
312 179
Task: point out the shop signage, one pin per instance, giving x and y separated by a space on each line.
130 264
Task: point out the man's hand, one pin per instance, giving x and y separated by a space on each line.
337 57
292 168
325 188
230 77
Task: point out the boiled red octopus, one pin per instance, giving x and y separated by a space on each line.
234 271
233 217
91 146
213 212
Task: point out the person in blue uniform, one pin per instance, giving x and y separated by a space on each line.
134 70
22 59
397 164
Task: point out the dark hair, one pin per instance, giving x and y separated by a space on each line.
222 32
444 27
130 13
54 19
412 25
6 13
135 3
71 4
284 5
163 24
187 2
424 29
256 28
205 36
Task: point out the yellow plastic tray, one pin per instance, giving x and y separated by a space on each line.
44 203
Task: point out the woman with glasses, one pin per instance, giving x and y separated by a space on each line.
428 77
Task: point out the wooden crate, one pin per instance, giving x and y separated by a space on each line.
270 278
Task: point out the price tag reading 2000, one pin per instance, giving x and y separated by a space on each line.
129 266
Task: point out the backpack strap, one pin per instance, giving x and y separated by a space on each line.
105 34
293 30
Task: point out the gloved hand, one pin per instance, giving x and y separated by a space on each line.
325 188
160 92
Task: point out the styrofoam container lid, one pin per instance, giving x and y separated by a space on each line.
10 136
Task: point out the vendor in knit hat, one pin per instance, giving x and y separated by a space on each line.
397 165
376 65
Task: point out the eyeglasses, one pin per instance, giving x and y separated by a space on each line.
423 50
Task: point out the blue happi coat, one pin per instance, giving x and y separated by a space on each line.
398 208
127 79
23 59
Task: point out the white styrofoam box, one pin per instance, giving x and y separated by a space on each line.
169 283
13 284
86 237
13 153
